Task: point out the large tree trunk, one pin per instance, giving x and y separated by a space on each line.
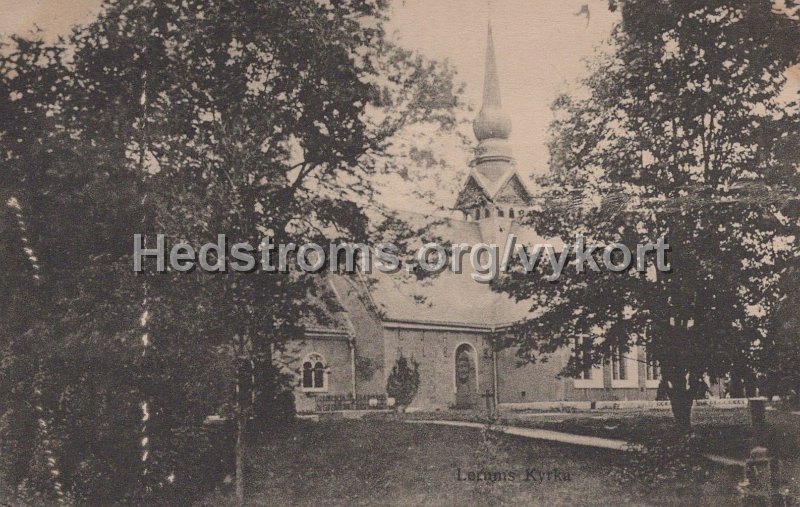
681 401
680 391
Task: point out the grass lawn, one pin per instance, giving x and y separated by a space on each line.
396 463
722 431
725 432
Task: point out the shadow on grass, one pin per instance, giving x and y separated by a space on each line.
392 463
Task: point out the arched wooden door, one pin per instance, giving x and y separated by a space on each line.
466 377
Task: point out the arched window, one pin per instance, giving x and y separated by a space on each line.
500 212
308 375
315 373
477 213
319 375
510 212
486 213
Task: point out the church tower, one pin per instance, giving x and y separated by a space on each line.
493 188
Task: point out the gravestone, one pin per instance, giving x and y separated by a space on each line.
761 485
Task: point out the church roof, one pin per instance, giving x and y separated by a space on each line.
326 313
449 298
494 186
507 187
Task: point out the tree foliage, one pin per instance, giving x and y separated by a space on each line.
683 110
190 119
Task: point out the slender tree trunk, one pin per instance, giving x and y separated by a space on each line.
239 456
264 385
243 407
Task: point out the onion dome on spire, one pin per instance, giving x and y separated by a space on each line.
492 126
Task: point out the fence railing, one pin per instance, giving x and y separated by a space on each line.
334 402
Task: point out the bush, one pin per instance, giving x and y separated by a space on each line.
403 381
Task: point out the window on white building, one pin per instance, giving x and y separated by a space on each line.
624 368
618 366
315 374
590 375
653 373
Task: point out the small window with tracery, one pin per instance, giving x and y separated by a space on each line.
315 373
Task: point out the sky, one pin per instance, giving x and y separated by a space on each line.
53 16
540 47
539 44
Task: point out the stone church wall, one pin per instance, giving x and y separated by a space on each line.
434 350
529 382
336 353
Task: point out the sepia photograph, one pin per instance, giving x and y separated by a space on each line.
400 253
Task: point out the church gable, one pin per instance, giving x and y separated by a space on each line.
512 192
472 195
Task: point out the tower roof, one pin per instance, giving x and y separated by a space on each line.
493 176
492 121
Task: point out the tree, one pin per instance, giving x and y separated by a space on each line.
403 382
681 127
192 119
782 374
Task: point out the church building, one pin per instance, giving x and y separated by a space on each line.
449 322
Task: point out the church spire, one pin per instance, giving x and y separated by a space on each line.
492 126
494 188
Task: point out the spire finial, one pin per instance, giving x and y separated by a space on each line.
492 121
491 82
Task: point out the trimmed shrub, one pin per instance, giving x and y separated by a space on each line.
403 381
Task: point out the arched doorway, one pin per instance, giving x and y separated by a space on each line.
466 376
